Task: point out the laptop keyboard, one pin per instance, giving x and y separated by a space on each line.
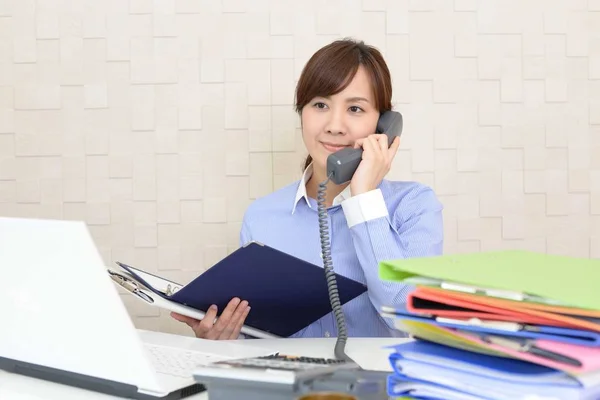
178 362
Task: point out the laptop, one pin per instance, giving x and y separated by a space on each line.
64 321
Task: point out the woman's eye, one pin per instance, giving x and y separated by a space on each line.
320 105
355 109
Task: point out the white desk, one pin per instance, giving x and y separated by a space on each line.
368 352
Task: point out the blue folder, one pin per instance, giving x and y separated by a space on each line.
285 293
559 334
424 369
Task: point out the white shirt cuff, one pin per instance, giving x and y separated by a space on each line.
364 207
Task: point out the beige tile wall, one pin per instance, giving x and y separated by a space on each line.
159 121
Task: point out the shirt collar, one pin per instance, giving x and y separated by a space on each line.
301 192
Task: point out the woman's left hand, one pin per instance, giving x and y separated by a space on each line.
376 162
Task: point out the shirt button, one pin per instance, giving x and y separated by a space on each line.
327 334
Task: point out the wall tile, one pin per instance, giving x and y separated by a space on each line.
595 203
191 188
24 49
258 82
214 210
74 190
579 181
37 97
192 211
236 106
145 236
238 161
283 129
8 192
259 128
168 212
261 170
144 213
96 96
282 82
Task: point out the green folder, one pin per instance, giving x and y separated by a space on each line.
569 280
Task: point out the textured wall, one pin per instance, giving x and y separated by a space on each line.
158 122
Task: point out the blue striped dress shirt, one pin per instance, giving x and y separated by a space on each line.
397 220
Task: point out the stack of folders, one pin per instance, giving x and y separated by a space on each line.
496 325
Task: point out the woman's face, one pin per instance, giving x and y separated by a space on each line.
331 123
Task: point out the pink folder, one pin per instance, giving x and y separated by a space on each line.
588 356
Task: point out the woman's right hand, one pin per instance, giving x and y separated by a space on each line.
227 327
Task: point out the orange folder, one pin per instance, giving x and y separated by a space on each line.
451 304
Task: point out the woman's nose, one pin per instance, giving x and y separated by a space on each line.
336 124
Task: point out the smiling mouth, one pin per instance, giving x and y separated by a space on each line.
333 147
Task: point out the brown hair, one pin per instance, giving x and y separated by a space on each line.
333 67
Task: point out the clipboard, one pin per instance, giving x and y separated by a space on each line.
286 293
151 295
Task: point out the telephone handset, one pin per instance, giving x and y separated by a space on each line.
342 164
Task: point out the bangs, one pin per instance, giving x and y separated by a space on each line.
331 69
333 75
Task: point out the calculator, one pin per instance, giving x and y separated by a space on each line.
275 368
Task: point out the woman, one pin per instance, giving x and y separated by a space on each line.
342 91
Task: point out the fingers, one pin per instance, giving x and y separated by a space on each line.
394 147
233 320
238 325
224 319
227 326
379 143
183 318
387 151
236 320
203 329
383 143
370 148
376 147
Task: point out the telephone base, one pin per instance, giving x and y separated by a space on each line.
364 385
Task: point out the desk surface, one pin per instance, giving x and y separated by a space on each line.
368 352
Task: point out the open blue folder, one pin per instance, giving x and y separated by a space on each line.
427 370
285 293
